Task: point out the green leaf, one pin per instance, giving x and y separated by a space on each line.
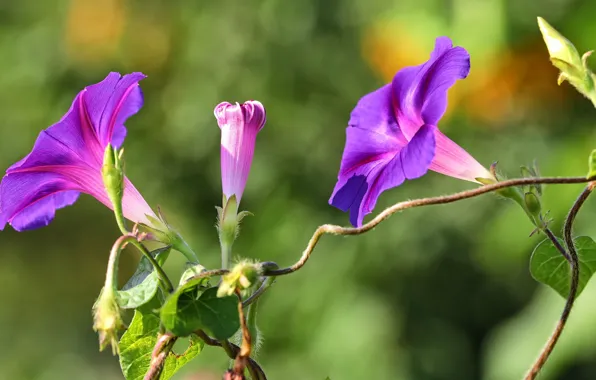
549 267
190 308
143 284
219 315
137 343
592 164
191 271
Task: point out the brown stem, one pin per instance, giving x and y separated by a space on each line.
574 266
442 199
158 356
242 357
234 350
210 273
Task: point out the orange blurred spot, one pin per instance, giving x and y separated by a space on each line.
512 84
147 43
505 85
94 29
389 47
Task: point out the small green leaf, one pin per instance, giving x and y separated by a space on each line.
549 267
592 164
191 271
190 308
137 343
143 284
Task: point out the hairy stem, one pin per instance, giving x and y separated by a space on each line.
159 355
574 266
245 349
330 229
226 255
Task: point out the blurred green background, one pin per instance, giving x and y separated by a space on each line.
438 293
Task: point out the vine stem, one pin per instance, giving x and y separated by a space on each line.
330 229
242 357
574 266
557 244
163 277
232 350
119 244
159 355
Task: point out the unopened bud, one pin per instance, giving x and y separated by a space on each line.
113 175
107 320
566 58
558 46
533 204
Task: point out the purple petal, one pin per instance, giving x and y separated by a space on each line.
48 150
364 149
419 153
31 196
42 212
30 199
374 112
373 140
372 164
360 192
372 133
421 91
110 102
369 166
350 196
383 177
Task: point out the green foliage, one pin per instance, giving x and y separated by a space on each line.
143 284
137 343
191 308
191 271
549 267
592 164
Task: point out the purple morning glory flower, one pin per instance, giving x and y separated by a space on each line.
392 134
67 157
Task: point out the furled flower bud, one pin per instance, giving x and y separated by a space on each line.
239 127
558 46
566 58
113 175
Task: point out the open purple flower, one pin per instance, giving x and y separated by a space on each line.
239 126
392 134
67 158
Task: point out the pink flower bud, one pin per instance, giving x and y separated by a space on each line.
239 127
